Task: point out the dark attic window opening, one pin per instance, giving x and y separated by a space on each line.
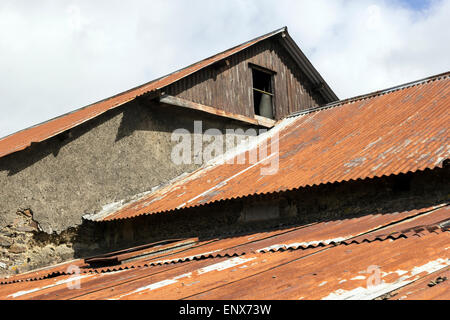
262 93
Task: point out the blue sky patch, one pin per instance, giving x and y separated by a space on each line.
416 4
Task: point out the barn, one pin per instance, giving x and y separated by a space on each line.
242 176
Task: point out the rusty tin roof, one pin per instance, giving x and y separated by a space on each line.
41 132
407 251
386 133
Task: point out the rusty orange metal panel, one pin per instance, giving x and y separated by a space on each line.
26 290
358 230
416 224
151 249
213 248
335 273
399 131
332 273
435 286
41 132
367 228
60 269
402 261
338 273
103 284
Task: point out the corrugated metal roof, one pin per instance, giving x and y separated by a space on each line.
435 286
382 134
338 270
338 273
41 132
374 227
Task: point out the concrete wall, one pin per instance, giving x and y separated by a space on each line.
47 188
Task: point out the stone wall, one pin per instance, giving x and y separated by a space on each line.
50 186
20 249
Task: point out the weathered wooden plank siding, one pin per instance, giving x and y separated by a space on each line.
229 87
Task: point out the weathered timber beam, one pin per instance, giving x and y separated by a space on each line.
257 120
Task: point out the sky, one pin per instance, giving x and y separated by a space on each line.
58 55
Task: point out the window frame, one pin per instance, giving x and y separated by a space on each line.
272 74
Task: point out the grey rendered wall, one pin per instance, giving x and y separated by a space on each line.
48 187
120 154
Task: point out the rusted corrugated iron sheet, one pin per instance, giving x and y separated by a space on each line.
367 228
364 229
212 248
150 249
104 283
357 230
336 270
435 286
23 139
399 131
339 272
416 224
52 271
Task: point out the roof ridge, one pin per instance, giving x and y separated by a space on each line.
373 94
269 34
39 132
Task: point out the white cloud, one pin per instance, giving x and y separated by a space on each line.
57 56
